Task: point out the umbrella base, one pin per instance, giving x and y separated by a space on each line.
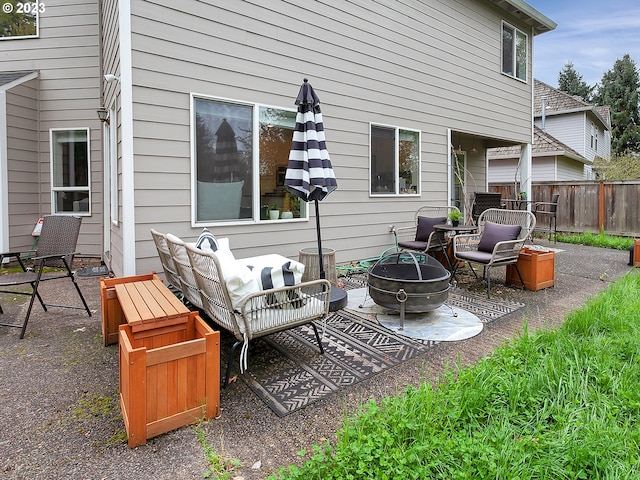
337 299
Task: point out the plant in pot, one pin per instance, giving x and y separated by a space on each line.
274 212
455 216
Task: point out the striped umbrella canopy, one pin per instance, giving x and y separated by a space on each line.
309 173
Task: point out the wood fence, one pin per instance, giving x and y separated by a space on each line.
588 206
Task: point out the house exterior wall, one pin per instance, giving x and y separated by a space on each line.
570 170
602 147
430 66
66 55
110 45
23 171
503 170
569 128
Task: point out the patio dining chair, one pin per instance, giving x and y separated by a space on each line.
421 236
52 260
501 235
484 200
548 211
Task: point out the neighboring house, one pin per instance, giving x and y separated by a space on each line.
200 100
570 133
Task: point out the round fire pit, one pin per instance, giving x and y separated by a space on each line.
409 282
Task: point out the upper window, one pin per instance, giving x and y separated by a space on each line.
19 19
241 153
70 171
395 161
514 52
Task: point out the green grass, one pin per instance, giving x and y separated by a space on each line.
596 240
562 404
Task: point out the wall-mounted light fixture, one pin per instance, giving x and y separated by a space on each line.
474 150
103 115
110 77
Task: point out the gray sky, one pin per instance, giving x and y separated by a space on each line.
591 34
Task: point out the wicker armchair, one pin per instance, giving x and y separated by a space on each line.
259 313
180 259
501 235
168 265
56 248
421 236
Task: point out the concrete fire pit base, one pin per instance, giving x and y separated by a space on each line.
445 324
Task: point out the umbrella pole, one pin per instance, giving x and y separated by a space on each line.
321 262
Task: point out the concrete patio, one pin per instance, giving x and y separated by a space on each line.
59 417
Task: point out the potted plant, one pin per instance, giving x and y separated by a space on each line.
455 216
274 212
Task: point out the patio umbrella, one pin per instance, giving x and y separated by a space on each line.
226 164
309 172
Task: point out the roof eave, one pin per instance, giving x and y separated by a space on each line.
528 14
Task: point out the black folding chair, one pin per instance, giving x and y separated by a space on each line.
54 253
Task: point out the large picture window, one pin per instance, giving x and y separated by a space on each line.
395 161
514 52
20 19
70 171
241 152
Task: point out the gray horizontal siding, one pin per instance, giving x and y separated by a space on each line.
67 57
431 66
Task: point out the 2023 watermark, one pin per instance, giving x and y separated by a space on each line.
26 8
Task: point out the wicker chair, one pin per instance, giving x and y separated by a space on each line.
256 314
56 248
168 265
501 235
180 259
421 236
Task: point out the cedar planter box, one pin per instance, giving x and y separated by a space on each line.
111 311
170 377
636 253
536 267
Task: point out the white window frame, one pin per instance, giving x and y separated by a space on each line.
514 49
255 181
396 172
54 189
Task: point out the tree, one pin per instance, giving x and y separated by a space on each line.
619 89
570 81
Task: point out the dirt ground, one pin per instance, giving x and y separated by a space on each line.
60 418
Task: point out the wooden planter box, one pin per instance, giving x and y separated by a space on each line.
536 267
111 311
169 378
636 253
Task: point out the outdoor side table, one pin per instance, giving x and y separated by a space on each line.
310 258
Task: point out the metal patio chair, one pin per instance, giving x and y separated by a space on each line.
501 235
55 249
422 236
484 200
548 210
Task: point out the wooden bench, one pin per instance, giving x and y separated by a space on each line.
149 304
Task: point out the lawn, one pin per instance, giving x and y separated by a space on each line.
561 404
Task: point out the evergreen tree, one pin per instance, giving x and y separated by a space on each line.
619 89
571 82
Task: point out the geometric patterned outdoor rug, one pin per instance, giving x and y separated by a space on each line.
287 371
